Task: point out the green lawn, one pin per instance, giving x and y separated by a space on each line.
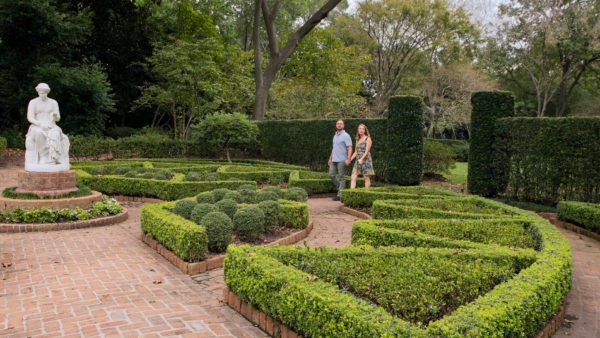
458 175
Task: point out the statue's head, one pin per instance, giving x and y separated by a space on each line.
42 89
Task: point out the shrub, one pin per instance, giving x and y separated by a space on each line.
266 196
3 144
222 132
293 214
438 158
248 194
405 140
249 223
272 210
585 214
106 207
201 210
316 183
296 194
234 195
551 159
205 197
186 239
276 190
361 198
218 194
219 228
184 208
227 206
487 163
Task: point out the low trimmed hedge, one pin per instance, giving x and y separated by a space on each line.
188 240
585 214
293 214
258 174
345 292
165 190
316 182
362 198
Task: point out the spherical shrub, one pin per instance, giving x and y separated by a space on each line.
271 209
192 176
204 197
148 175
201 210
227 206
218 194
248 192
296 194
219 229
276 190
121 170
163 174
249 223
131 173
266 196
184 208
233 195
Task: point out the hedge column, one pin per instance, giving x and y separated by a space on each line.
404 146
488 167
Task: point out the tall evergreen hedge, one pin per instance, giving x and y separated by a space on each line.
488 163
397 141
552 159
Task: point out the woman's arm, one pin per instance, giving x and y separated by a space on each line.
367 150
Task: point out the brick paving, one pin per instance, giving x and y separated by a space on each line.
332 228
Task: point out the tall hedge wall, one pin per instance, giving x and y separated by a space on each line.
552 159
487 163
397 141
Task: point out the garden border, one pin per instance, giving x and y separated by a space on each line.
72 225
83 202
194 268
553 218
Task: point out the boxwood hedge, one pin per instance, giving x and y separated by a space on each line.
585 214
502 272
316 182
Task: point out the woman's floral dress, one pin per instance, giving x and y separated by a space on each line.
366 168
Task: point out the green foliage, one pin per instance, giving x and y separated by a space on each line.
296 194
276 190
272 211
293 214
201 176
3 144
222 132
405 140
249 223
184 208
186 239
11 193
433 208
205 197
248 193
361 198
219 194
227 206
201 210
219 228
106 207
460 148
585 214
438 158
233 195
316 183
487 163
266 195
551 159
258 174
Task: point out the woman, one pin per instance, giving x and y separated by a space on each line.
364 164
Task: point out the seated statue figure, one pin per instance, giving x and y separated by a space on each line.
46 147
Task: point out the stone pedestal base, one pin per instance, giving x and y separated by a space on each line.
48 183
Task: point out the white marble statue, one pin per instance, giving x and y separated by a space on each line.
46 147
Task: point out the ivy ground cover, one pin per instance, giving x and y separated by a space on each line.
431 264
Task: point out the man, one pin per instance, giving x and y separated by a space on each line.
339 158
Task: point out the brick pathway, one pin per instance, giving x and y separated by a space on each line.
332 228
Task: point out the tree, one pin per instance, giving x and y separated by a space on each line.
321 78
553 43
401 32
277 56
223 132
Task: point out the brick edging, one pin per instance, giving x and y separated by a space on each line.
83 202
553 218
272 327
216 262
95 222
354 212
554 324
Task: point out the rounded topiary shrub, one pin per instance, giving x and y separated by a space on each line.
227 206
249 223
276 190
248 192
218 194
219 229
193 176
184 208
204 197
271 209
296 194
267 195
202 210
233 195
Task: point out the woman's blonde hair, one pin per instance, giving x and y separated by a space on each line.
366 131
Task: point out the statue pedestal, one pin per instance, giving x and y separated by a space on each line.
47 183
